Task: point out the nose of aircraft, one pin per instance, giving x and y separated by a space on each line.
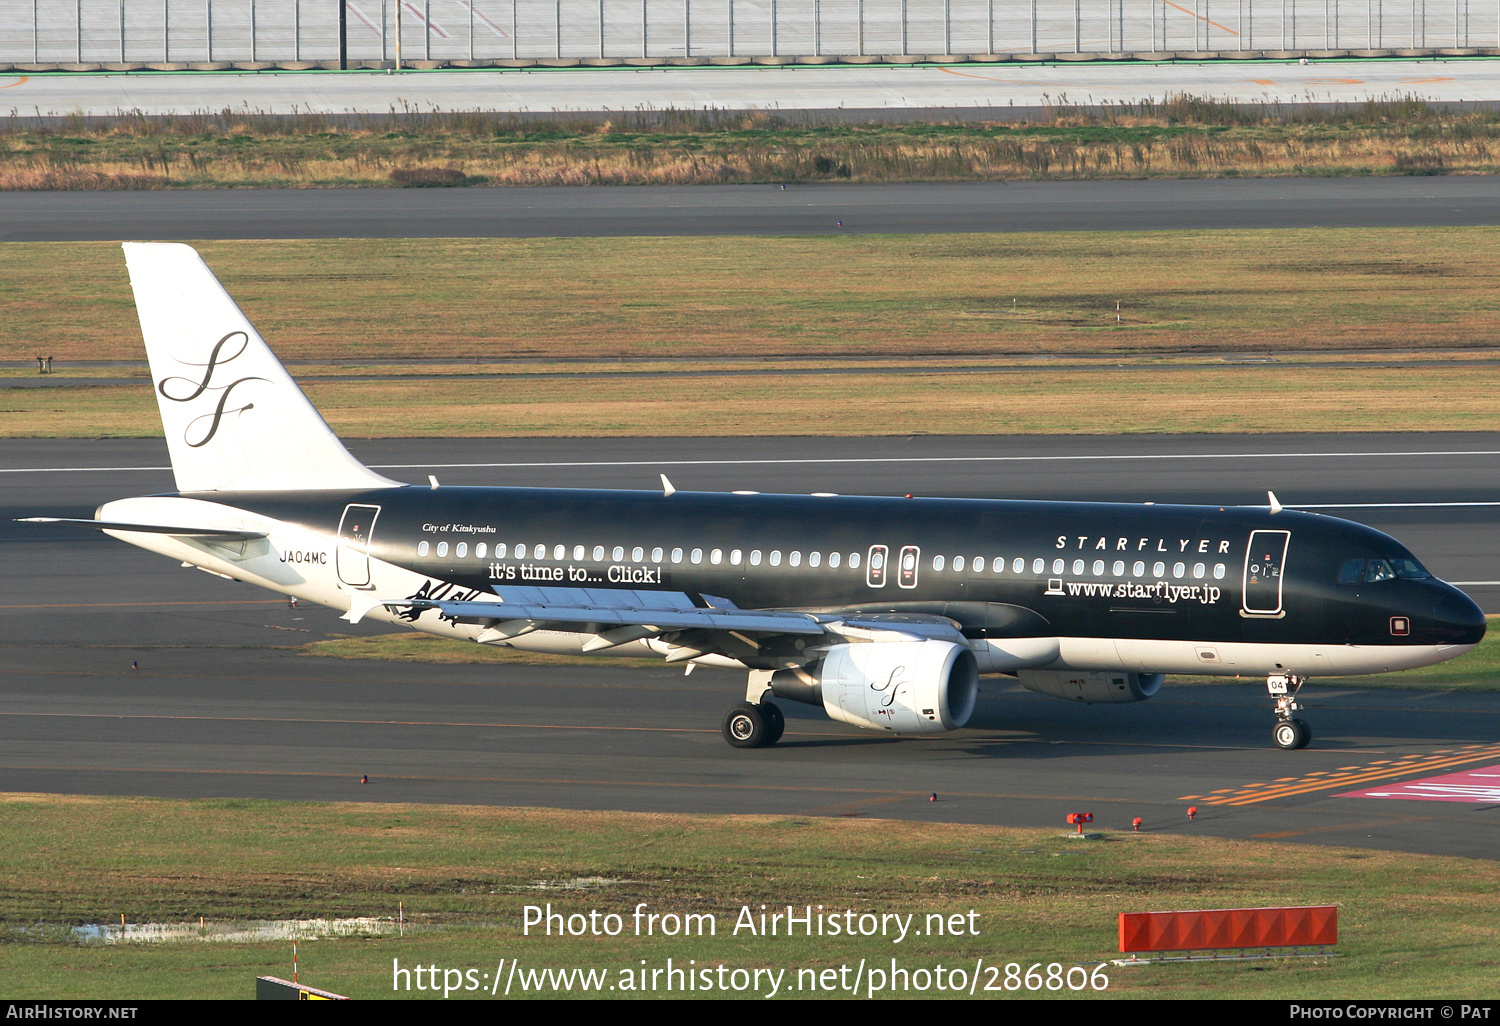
1456 618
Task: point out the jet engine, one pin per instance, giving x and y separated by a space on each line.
906 687
1092 687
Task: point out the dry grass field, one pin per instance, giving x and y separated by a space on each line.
1215 331
1186 137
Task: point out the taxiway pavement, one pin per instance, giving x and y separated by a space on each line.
222 705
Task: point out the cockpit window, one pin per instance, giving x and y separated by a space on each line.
1410 570
1370 571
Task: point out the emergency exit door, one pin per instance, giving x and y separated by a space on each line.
353 555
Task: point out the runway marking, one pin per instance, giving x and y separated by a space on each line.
1419 81
855 460
20 81
1200 17
1347 776
1477 785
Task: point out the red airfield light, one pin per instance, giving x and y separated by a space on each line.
1078 819
1192 812
1135 824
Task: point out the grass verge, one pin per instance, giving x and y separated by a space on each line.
1184 137
1410 926
486 302
1104 400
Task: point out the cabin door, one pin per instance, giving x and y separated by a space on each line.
1265 562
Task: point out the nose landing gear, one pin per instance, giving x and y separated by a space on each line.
1290 732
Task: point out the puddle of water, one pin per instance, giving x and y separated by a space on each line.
239 932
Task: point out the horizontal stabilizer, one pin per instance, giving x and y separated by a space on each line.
218 534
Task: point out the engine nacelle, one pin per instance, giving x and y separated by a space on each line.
1092 686
906 687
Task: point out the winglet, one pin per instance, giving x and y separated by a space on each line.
666 487
1275 503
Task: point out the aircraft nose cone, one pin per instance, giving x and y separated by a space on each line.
1457 619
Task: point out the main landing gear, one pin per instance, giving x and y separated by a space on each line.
1290 732
754 726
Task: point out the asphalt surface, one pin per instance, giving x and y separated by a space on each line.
749 209
988 90
221 706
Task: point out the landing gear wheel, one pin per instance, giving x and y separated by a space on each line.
1306 730
745 726
775 724
1291 734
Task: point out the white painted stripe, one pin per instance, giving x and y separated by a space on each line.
74 470
1390 505
1471 584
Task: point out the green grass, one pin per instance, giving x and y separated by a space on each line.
819 298
1410 926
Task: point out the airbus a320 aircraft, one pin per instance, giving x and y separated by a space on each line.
884 611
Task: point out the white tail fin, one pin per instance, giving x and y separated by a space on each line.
234 418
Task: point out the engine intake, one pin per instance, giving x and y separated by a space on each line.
906 687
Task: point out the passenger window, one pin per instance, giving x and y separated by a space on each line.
697 555
755 557
1019 566
619 553
1038 565
854 561
958 564
833 560
1198 570
500 551
1119 568
656 554
1218 571
559 551
598 553
1078 566
480 550
999 565
795 559
677 555
1352 571
1158 569
421 548
1057 566
775 557
1178 569
461 550
1139 569
540 552
716 556
577 551
442 548
814 558
736 556
938 562
1098 568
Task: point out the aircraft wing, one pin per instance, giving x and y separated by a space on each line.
587 609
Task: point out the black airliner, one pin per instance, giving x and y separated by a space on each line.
884 611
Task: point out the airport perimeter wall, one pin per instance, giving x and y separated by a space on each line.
127 35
